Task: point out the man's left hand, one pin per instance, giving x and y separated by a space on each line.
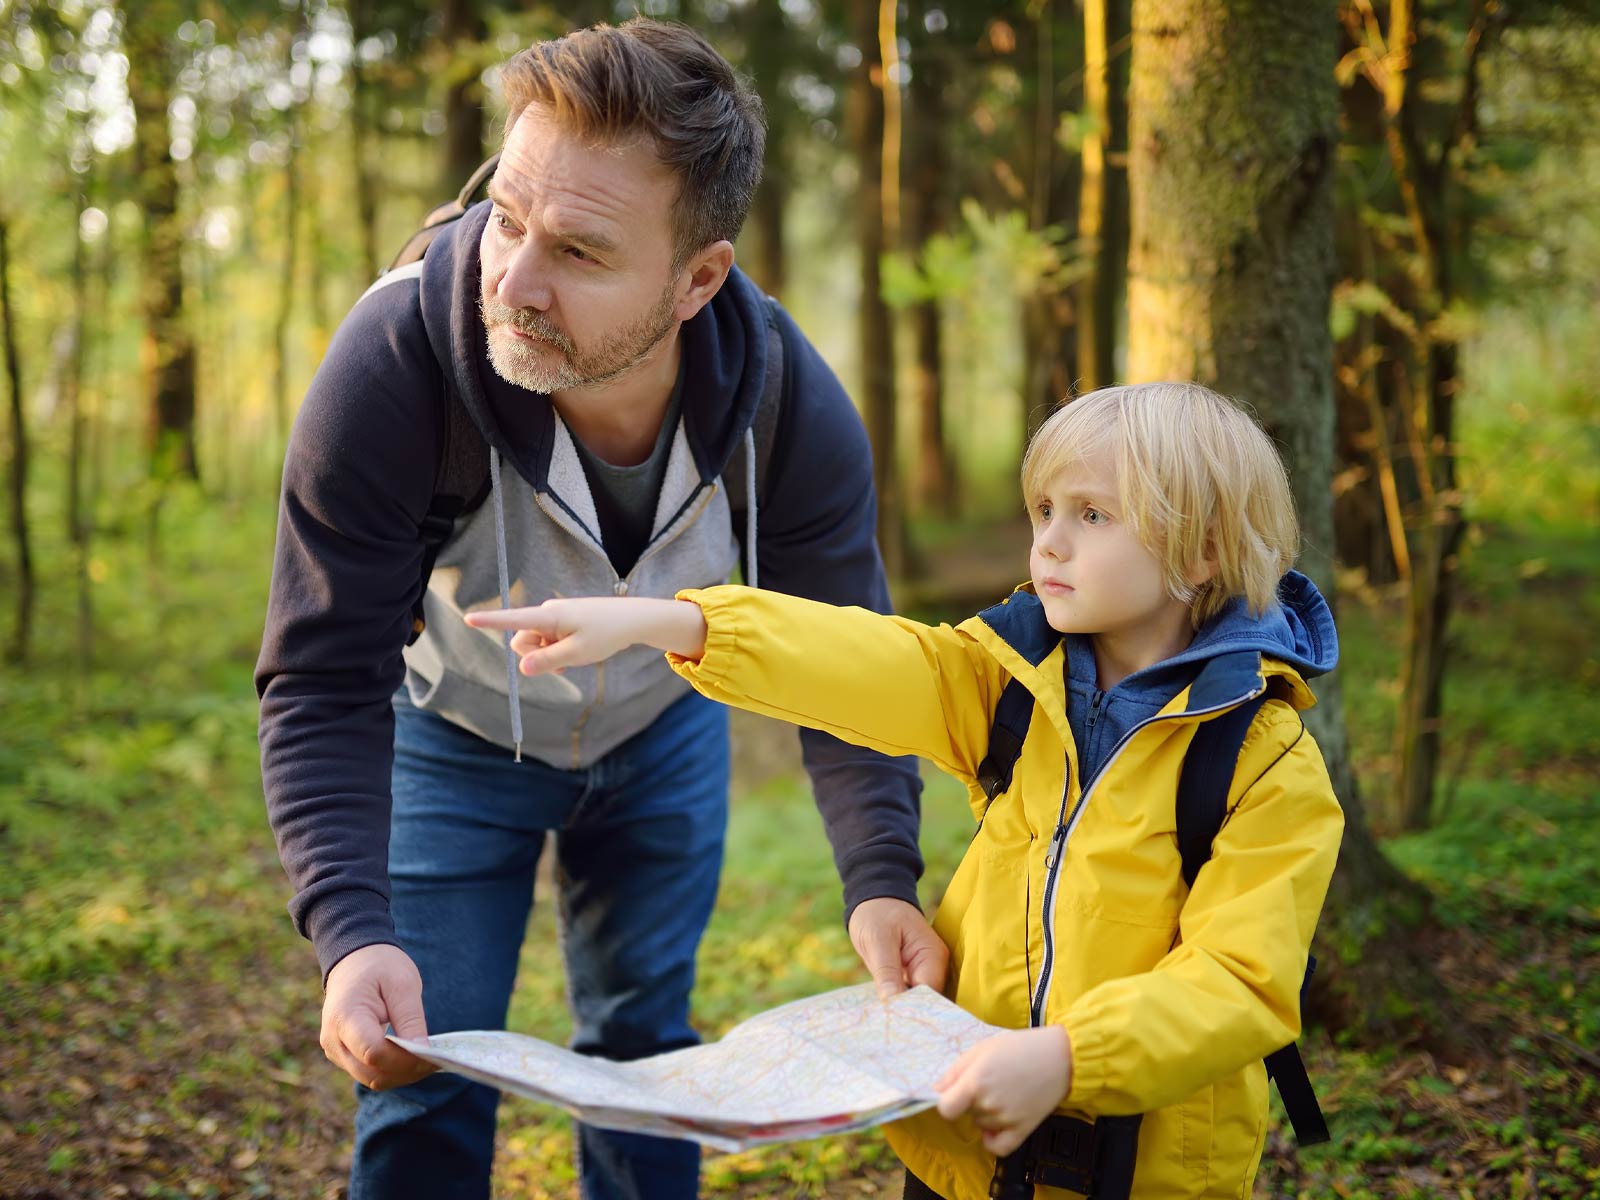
898 945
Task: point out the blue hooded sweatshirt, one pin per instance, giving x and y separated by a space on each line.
1297 630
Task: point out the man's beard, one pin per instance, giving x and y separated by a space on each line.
538 367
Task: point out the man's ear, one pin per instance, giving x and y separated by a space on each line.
701 278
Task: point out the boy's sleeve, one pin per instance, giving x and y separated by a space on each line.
1228 992
884 682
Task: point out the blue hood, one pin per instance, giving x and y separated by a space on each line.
1298 629
1221 664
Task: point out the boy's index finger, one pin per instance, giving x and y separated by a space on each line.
536 619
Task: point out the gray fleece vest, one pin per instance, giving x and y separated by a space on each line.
568 720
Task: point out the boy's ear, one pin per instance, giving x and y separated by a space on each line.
1204 571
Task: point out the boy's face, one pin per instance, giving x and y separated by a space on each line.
1092 573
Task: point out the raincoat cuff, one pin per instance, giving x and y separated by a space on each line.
722 636
1089 1063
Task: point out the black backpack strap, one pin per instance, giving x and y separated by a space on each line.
460 487
462 479
1006 734
451 210
1203 785
1208 770
1287 1069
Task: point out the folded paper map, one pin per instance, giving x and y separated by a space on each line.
832 1063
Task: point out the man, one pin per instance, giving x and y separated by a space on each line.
590 321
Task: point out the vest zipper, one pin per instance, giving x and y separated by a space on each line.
619 586
683 522
1058 845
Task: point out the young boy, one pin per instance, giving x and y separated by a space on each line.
1163 530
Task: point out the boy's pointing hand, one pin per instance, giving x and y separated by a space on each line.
559 634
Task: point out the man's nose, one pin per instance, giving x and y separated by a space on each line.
526 282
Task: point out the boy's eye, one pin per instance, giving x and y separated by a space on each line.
1093 516
1045 511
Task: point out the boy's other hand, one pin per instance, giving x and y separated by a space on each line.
898 946
369 988
1009 1083
559 634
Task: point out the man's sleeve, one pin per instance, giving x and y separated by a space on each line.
357 480
818 539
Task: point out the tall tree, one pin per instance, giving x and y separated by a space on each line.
364 133
769 52
461 35
1230 271
1050 52
927 213
876 333
1103 194
22 628
293 136
167 353
1430 149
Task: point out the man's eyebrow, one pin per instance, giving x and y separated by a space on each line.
591 241
594 240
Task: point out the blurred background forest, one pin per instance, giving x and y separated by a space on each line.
1377 221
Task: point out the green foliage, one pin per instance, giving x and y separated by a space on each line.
1031 260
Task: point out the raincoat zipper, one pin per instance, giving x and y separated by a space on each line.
1064 827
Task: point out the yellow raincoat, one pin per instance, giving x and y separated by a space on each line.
1170 998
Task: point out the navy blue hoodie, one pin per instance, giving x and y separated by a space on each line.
358 478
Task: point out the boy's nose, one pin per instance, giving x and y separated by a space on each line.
1055 543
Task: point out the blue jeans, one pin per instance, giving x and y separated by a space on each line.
638 846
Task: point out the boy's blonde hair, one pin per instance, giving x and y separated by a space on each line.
1198 479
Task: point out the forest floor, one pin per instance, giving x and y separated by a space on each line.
158 1018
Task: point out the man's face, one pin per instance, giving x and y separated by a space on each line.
578 280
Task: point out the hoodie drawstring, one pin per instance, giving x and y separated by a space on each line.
513 692
751 575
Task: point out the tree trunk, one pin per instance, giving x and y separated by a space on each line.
1103 195
1230 268
1049 341
766 39
927 214
22 629
291 255
1440 230
72 378
874 328
362 134
79 512
462 30
167 351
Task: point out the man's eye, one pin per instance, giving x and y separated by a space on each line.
580 254
505 223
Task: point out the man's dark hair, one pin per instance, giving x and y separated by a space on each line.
665 81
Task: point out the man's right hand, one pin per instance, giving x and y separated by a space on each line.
368 989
